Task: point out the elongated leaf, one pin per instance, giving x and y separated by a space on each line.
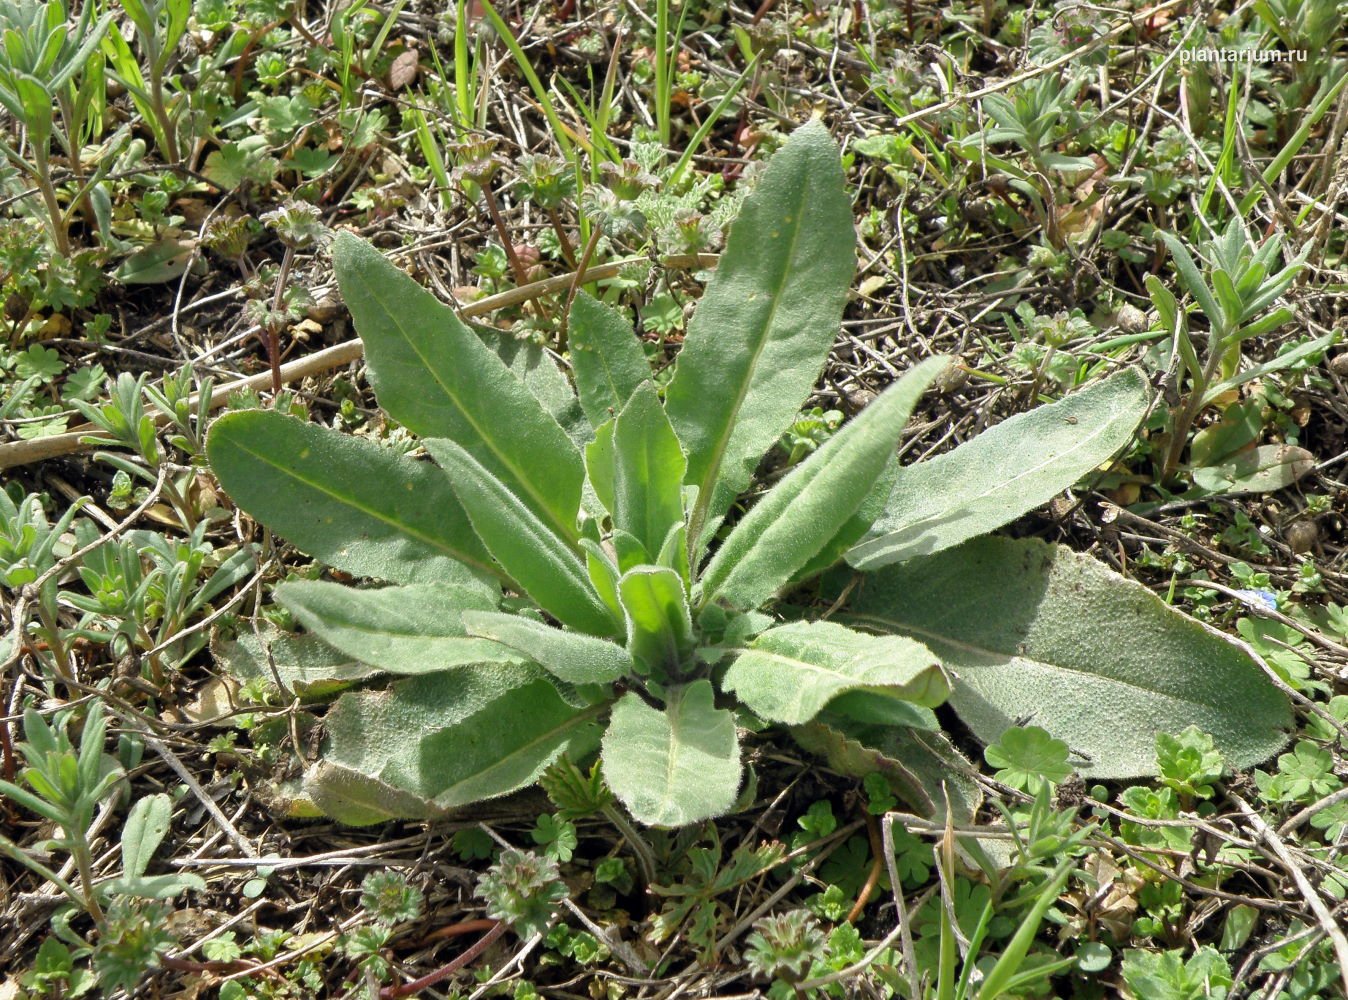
674 767
648 467
539 561
1193 280
599 464
606 358
1005 471
438 741
570 656
810 506
146 826
437 378
534 366
922 767
1263 469
659 625
791 672
305 664
1036 633
761 333
415 629
356 506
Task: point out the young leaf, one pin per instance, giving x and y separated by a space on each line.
606 358
539 561
1002 473
808 508
659 626
146 825
674 767
356 506
648 467
569 656
415 629
791 672
760 335
437 378
1038 633
433 742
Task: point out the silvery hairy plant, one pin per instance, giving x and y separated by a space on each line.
571 573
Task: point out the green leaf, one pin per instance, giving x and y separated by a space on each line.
415 629
1036 633
674 767
600 462
659 625
811 505
606 358
305 664
434 742
570 656
437 378
762 332
1263 469
1005 471
791 672
1025 753
922 767
146 826
648 467
539 561
356 506
161 261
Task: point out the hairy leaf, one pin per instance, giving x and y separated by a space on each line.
606 358
437 378
305 664
808 508
1002 473
674 767
648 467
763 329
415 629
1037 634
659 625
437 741
570 656
356 506
791 672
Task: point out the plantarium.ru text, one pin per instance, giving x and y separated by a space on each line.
563 579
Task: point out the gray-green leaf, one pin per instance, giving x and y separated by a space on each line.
1002 473
791 672
606 358
146 825
1038 634
414 629
356 506
437 741
648 467
570 656
437 378
800 515
538 560
674 767
763 329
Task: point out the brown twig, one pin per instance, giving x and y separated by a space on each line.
445 971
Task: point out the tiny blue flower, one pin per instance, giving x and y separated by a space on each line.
1259 599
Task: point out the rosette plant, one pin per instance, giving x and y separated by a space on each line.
582 565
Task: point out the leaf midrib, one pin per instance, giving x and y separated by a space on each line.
437 544
903 628
708 482
566 531
1006 484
